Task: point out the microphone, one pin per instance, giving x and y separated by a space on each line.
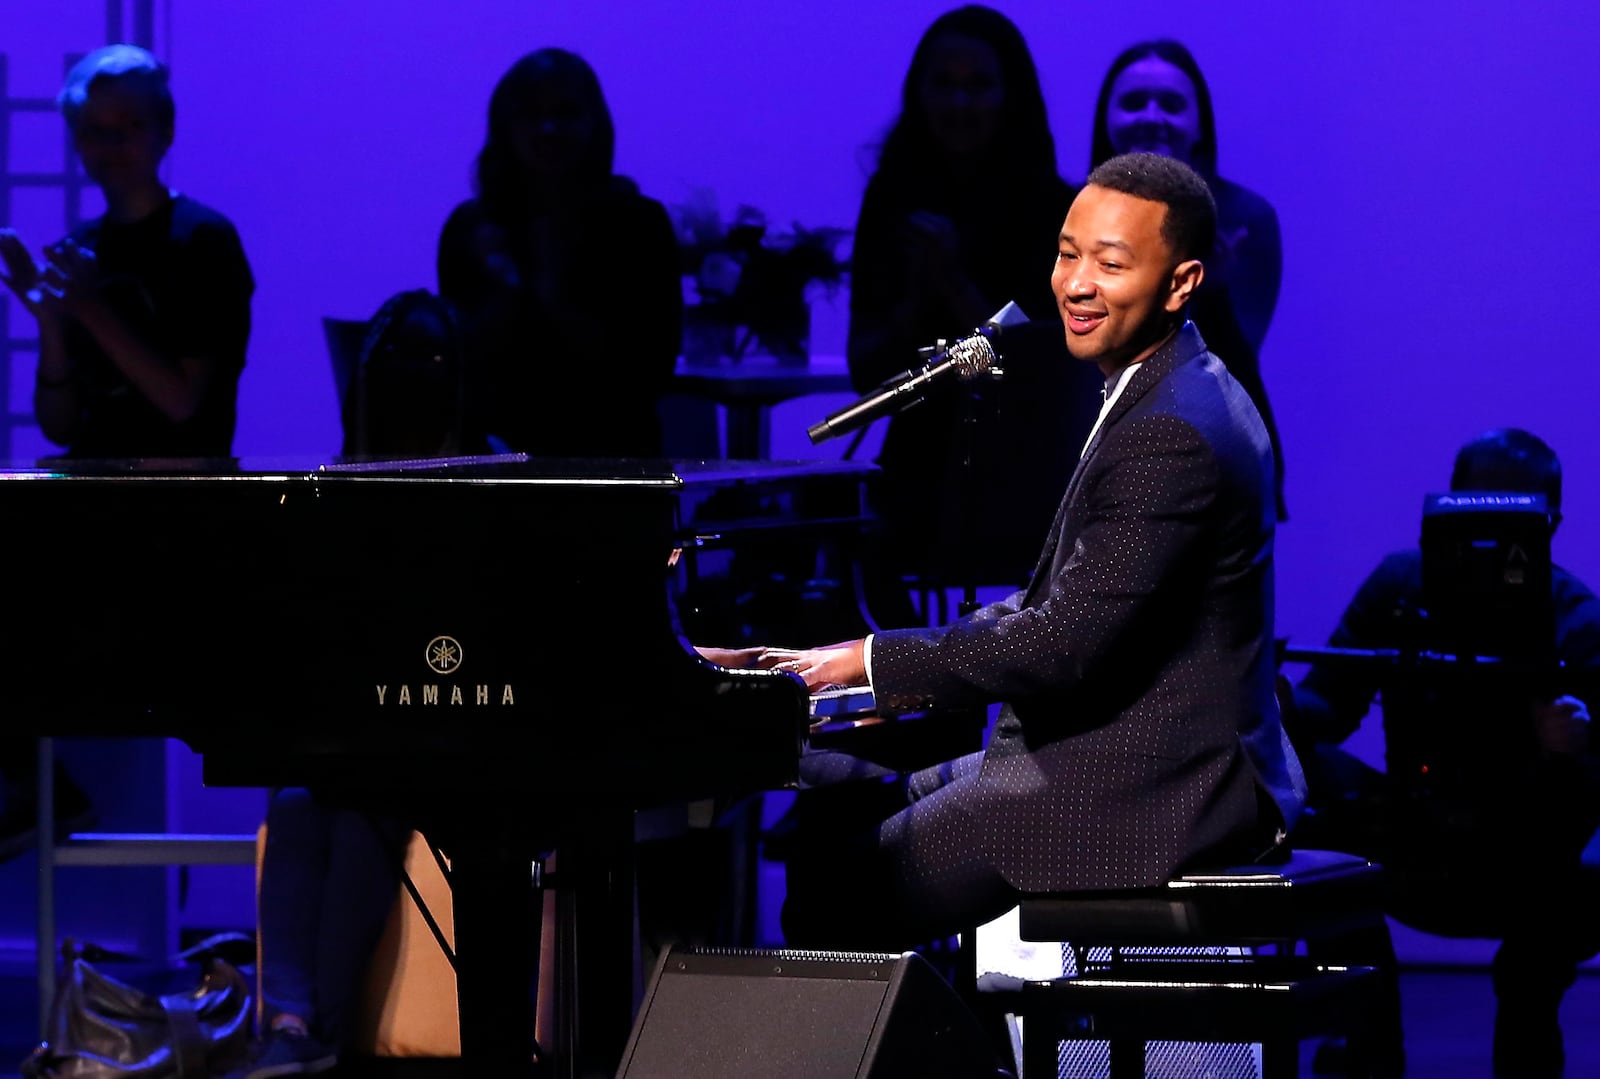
964 359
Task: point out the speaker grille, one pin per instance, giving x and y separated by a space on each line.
788 1014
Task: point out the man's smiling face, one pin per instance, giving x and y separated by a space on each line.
1117 281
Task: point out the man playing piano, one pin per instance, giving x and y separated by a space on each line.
1139 734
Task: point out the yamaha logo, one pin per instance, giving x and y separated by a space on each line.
444 655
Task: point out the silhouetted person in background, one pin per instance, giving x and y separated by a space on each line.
408 392
330 873
329 877
567 355
143 312
143 317
1490 841
1155 100
960 217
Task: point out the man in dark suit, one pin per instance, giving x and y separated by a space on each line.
1140 734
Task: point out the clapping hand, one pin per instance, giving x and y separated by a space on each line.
70 279
21 274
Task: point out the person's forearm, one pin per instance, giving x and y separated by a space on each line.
172 386
55 397
54 363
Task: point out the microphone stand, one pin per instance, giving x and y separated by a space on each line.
967 488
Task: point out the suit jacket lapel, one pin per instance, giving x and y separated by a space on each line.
1184 346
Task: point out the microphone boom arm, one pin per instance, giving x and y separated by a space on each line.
965 359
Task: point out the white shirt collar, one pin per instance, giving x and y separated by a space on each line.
1111 391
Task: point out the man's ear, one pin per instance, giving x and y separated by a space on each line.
1186 278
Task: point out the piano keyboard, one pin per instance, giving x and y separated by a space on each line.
840 702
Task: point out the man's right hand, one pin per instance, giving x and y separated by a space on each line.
836 665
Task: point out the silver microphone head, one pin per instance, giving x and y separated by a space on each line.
972 356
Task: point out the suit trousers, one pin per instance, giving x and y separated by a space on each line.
884 862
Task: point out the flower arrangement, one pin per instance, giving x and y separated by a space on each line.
747 284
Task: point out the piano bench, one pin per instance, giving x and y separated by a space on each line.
1209 957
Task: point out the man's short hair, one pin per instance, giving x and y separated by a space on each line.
137 66
1190 225
1509 459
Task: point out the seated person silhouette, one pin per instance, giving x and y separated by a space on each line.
329 873
329 876
408 392
1491 790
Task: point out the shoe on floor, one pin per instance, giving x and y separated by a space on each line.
286 1053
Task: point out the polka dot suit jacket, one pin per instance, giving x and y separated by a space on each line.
1140 732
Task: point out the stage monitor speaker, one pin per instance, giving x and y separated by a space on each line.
751 1014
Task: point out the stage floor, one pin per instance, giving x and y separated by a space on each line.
1449 1019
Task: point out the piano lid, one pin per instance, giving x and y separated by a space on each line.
421 610
518 468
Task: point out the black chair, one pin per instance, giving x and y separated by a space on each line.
344 337
1208 957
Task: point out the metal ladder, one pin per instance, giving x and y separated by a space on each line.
107 849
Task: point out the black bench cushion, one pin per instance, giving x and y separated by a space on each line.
1311 893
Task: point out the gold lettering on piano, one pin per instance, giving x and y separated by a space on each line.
431 693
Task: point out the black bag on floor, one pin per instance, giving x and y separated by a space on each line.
101 1028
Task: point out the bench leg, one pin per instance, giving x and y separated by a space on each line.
1127 1059
1041 1049
1280 1059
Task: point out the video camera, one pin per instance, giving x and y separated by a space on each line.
1486 576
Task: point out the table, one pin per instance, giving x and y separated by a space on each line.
749 389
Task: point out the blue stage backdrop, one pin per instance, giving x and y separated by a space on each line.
1433 166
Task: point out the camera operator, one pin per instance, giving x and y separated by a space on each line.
1492 789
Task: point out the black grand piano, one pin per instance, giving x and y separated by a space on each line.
487 647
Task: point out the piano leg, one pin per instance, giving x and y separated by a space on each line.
595 946
497 943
